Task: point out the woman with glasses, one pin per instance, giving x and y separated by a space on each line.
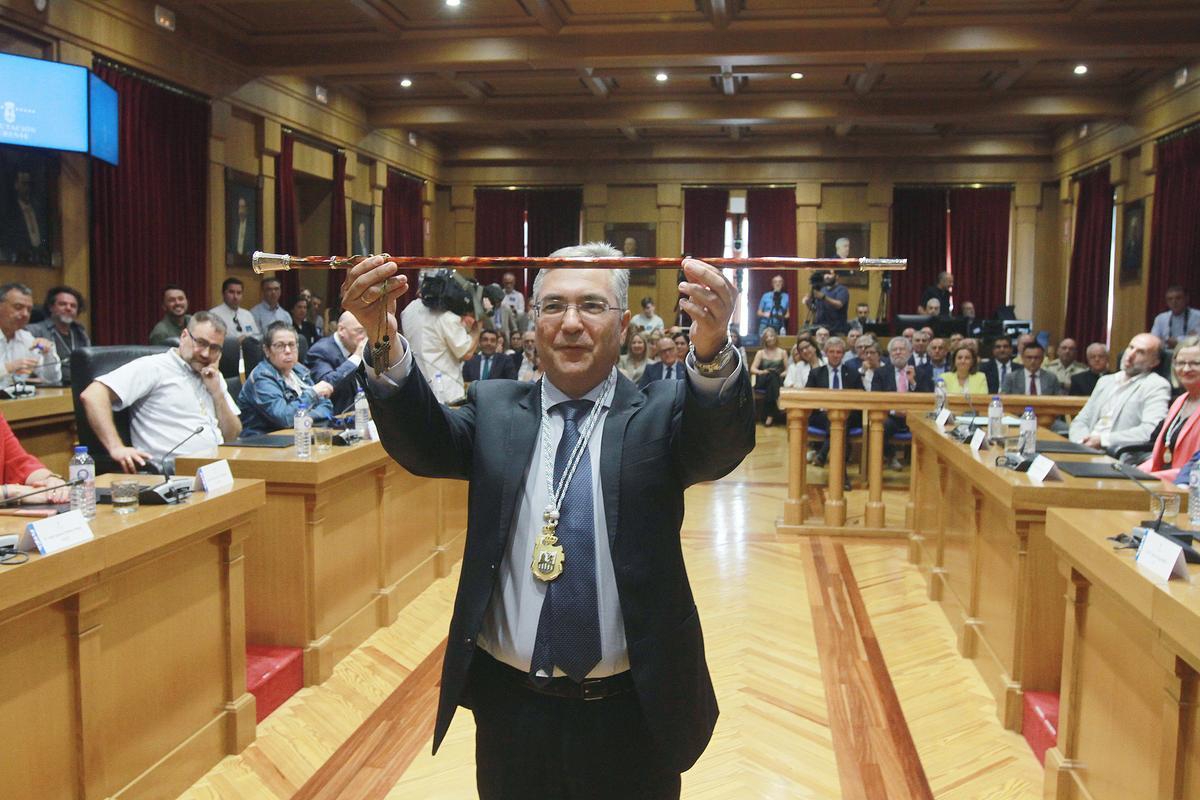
279 384
1179 438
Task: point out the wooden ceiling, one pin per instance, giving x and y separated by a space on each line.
520 71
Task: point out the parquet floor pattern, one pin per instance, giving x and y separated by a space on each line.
773 739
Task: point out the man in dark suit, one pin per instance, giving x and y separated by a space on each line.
834 374
668 366
609 617
999 366
899 376
487 363
335 360
1084 383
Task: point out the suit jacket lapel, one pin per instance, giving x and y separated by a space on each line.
626 400
523 428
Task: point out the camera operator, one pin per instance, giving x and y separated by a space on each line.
441 338
773 307
828 301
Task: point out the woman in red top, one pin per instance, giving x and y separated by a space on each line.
21 472
1179 438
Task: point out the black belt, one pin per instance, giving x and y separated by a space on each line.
589 689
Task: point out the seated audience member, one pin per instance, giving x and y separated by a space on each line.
488 364
169 396
897 376
933 308
941 293
512 298
1125 407
804 361
279 384
525 360
299 320
647 323
316 313
871 362
1084 383
497 315
965 378
22 353
681 346
939 358
862 316
974 325
268 310
735 339
1000 366
1031 378
821 336
1179 320
175 316
1022 340
853 351
971 343
1066 365
834 374
63 305
953 342
909 333
1179 438
335 360
238 321
920 346
21 473
668 366
768 368
634 362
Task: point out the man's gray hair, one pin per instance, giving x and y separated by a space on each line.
835 341
1101 345
900 340
204 316
620 277
20 288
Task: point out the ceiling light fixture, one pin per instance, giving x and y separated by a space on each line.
405 83
453 3
797 76
1081 69
661 77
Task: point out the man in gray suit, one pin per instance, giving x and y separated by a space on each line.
1126 406
1031 378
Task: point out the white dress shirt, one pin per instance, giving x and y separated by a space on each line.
235 318
21 346
510 622
440 343
264 315
1167 325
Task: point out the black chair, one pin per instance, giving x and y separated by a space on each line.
231 355
234 386
252 354
87 363
302 347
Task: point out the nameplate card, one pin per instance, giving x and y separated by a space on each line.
977 440
214 478
52 534
372 431
1161 558
942 418
1043 468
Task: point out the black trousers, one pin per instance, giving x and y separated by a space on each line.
531 746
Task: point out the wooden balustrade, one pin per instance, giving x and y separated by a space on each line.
875 406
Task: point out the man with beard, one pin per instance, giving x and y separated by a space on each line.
1126 406
63 306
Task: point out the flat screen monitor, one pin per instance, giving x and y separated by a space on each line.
102 120
43 104
1014 327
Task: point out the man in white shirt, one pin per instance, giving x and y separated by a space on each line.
441 341
269 310
1125 406
21 353
647 322
1179 320
512 298
238 321
170 395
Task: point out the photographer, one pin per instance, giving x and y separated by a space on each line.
773 307
442 338
828 301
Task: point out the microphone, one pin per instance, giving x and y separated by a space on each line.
1162 507
12 501
168 463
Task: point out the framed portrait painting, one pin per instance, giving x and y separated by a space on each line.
243 217
1133 236
362 229
28 224
845 240
635 239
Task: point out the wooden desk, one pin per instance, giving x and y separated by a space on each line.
1128 723
980 541
346 539
125 656
45 425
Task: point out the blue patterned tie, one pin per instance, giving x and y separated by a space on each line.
568 633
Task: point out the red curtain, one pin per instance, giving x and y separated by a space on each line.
149 215
287 214
704 212
918 234
1175 229
403 226
554 222
337 231
772 223
499 227
1087 289
979 234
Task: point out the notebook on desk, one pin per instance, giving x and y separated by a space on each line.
1102 470
1054 446
266 440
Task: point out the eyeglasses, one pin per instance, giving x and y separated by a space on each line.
588 308
1187 364
203 345
282 347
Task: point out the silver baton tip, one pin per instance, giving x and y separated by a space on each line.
269 262
882 263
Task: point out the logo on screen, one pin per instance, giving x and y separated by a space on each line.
10 112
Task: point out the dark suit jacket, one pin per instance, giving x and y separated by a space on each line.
326 363
885 380
991 371
654 372
502 367
1083 384
655 443
819 377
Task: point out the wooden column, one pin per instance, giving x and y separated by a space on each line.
239 704
1060 758
84 611
795 508
835 503
875 508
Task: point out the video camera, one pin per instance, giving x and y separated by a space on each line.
446 290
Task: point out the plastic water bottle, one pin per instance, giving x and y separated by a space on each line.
362 414
439 390
939 396
302 423
1027 441
1194 499
996 429
83 495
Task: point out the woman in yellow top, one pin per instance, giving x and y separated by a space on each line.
965 379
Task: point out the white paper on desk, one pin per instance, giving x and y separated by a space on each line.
942 418
52 534
1043 468
1161 557
214 478
977 439
372 432
983 420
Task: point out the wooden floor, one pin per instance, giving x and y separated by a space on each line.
835 676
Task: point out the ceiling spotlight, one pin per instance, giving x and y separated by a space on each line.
797 76
1081 69
661 77
453 3
405 83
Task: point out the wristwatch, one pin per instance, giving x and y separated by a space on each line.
713 368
